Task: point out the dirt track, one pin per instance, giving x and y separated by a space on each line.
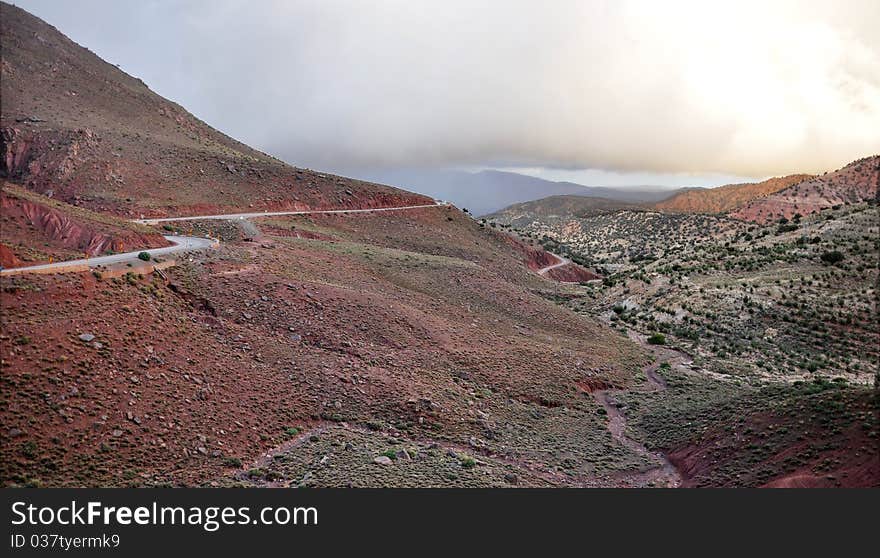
664 473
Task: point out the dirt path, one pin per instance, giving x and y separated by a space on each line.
664 473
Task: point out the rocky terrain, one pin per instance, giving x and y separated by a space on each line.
775 322
857 182
86 133
36 229
416 331
726 198
417 347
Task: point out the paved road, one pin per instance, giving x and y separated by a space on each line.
187 243
233 216
181 244
562 262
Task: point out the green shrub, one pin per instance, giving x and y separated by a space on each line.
833 257
657 338
144 256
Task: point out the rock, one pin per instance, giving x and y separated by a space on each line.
86 337
295 337
98 345
382 460
511 478
15 432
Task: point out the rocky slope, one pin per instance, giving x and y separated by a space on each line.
35 229
96 137
726 198
855 183
329 340
765 332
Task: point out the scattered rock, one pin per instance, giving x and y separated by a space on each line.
86 337
382 460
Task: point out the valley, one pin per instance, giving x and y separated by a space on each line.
237 321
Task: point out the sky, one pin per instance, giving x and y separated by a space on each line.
624 92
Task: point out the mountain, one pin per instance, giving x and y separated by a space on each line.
418 332
856 182
725 198
87 133
413 347
490 190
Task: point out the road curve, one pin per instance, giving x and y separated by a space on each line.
180 244
187 243
562 262
253 215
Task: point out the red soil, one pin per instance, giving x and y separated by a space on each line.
55 233
726 198
7 257
849 459
395 323
571 273
537 258
855 183
101 139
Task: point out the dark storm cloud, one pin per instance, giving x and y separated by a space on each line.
753 88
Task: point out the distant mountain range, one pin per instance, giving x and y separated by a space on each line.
490 190
760 202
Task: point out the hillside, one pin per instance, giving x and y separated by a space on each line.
89 134
491 190
726 198
559 207
764 334
415 347
331 341
35 229
855 183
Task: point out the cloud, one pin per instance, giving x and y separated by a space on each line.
747 88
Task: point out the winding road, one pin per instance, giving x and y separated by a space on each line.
190 243
562 262
257 214
179 244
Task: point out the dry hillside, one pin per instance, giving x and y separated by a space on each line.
92 135
855 183
726 198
